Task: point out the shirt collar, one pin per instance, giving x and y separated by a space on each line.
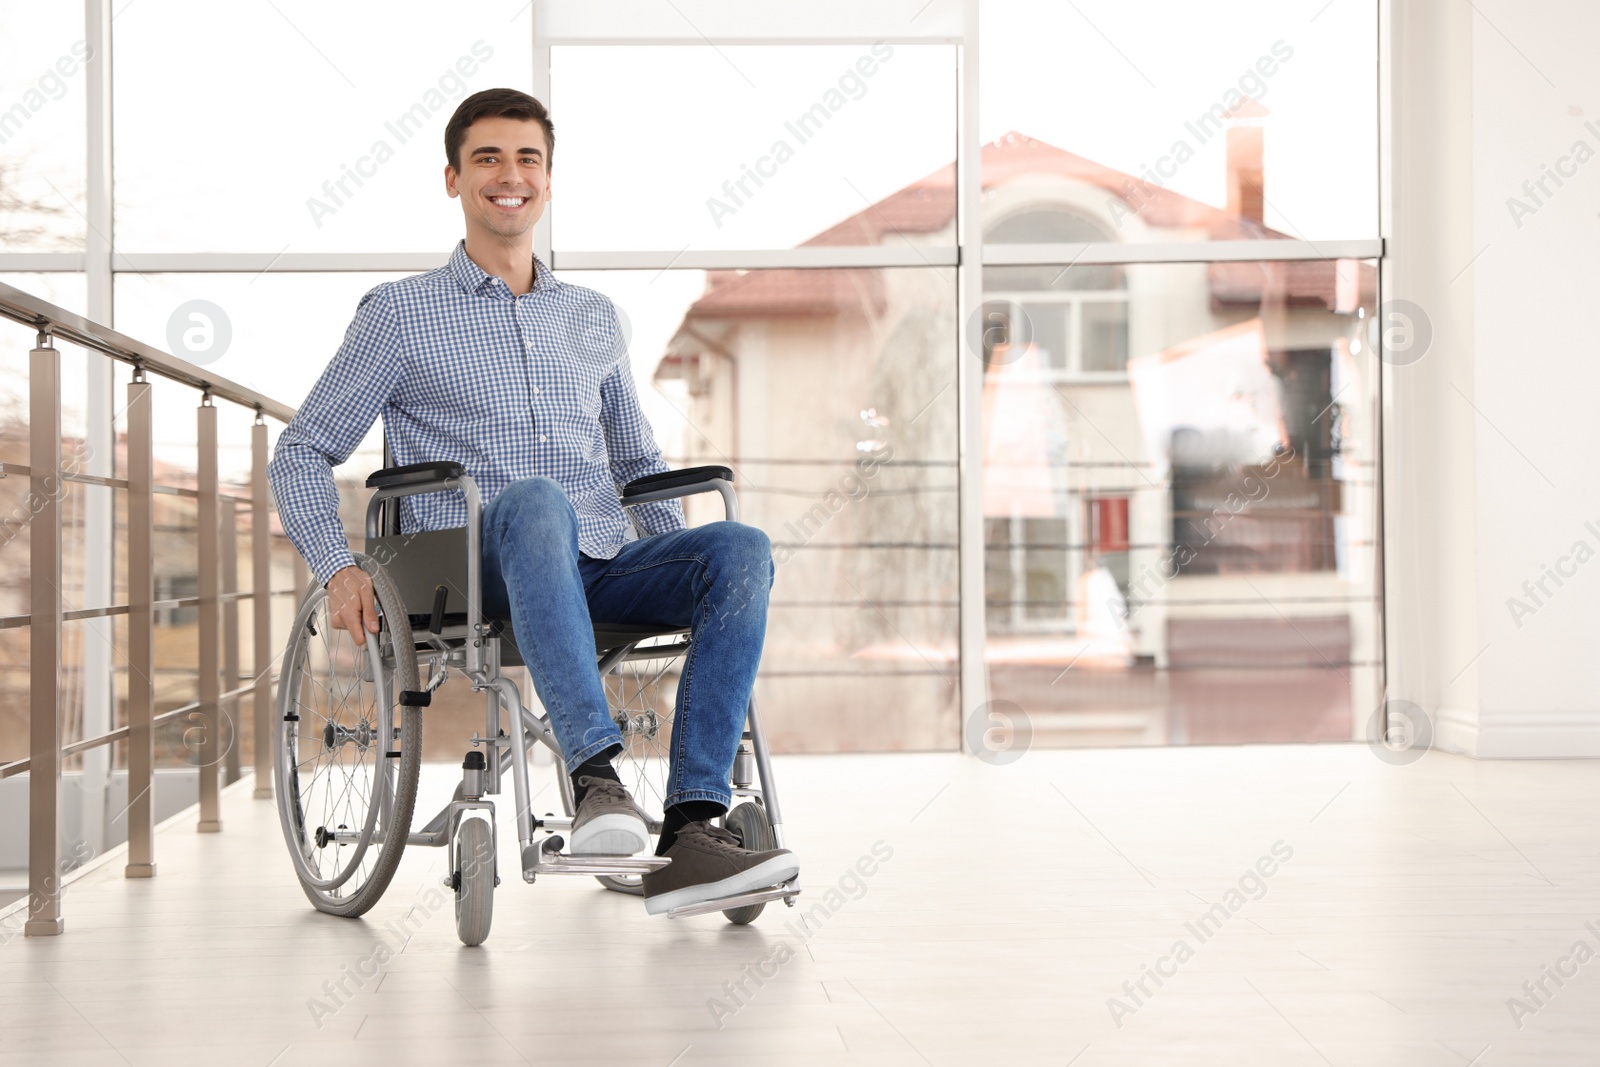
474 279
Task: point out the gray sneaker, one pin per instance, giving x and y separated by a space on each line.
608 822
708 864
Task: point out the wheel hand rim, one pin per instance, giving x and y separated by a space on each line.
305 852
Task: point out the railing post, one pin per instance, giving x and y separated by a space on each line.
44 625
141 638
261 562
210 618
230 634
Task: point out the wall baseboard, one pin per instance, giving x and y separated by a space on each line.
1456 730
1574 735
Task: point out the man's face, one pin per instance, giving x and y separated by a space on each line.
504 182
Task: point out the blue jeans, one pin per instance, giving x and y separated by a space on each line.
713 578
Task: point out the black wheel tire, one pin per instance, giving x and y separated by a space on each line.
630 884
748 822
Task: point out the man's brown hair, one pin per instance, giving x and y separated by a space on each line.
496 103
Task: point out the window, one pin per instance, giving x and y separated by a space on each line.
1074 318
1176 445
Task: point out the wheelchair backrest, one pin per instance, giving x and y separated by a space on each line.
421 562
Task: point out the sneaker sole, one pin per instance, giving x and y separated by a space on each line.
610 835
773 872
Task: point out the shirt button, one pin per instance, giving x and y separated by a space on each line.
543 438
537 390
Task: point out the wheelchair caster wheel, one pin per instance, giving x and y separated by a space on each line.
748 822
474 881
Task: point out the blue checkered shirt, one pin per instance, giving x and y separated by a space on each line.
507 386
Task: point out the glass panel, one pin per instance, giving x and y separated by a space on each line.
176 637
1239 119
273 333
771 146
14 709
43 143
68 290
831 393
1105 334
1180 546
347 154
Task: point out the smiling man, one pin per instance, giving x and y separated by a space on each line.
525 380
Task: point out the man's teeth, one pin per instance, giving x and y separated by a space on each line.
509 201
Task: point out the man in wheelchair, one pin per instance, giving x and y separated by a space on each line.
525 380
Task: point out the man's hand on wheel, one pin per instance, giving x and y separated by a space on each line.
351 604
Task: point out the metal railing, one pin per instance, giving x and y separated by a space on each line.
218 630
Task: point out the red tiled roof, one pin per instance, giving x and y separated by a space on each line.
766 293
928 206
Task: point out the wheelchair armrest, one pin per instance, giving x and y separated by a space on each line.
411 480
670 485
691 479
414 474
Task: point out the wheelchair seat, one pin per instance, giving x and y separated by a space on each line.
421 562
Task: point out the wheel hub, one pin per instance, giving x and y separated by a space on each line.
645 724
334 734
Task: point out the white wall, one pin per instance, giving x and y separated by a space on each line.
1492 434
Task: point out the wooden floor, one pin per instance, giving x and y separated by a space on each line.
1405 906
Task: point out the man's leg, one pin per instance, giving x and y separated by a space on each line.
714 579
530 571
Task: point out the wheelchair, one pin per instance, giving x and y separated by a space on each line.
348 737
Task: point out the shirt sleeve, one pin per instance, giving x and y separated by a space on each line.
630 444
333 420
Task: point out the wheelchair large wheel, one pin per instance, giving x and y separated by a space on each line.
347 753
643 694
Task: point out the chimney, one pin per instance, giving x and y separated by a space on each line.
1245 180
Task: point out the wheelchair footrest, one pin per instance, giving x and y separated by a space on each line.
540 858
785 892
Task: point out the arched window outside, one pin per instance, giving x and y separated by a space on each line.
1078 315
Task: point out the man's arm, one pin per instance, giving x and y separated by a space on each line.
630 444
334 419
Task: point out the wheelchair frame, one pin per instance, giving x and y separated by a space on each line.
473 648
